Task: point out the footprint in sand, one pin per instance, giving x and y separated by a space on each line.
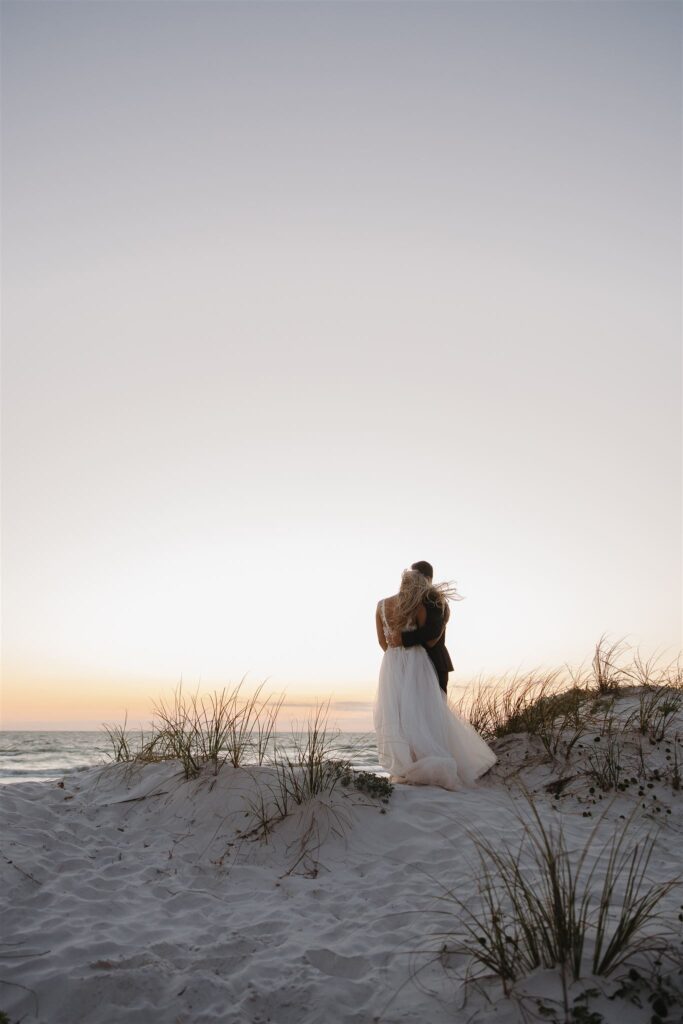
351 967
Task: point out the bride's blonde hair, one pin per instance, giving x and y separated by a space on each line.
416 588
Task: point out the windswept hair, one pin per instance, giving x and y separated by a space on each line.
415 589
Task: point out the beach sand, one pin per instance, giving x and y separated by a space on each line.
136 896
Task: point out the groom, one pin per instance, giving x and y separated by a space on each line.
432 636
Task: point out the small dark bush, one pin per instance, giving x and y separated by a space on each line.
367 782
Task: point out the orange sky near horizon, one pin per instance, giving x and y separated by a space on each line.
89 706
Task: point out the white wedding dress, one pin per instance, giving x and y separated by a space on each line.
419 738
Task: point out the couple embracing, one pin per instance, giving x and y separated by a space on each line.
420 740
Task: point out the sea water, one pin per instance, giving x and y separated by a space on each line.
32 756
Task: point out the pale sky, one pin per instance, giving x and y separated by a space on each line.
295 294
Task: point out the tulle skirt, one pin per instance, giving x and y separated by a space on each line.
419 738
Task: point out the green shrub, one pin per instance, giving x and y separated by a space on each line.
376 786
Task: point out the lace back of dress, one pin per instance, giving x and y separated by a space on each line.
387 627
385 624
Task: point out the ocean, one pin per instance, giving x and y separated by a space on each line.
34 756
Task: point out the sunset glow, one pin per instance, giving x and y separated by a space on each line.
296 294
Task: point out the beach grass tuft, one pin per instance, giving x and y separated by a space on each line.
543 905
121 743
560 706
604 764
307 766
609 674
214 729
303 770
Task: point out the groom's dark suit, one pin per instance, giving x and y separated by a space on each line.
435 626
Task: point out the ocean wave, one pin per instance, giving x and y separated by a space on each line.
26 756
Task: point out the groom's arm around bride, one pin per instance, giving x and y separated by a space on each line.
432 636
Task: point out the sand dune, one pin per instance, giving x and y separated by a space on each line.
137 896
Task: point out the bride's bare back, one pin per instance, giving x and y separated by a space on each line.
390 607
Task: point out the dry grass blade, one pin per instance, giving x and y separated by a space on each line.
636 908
175 733
657 709
120 741
308 768
538 906
646 671
219 727
608 674
265 726
605 766
498 708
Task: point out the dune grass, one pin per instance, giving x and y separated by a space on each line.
614 726
308 767
545 905
304 768
605 765
657 709
121 741
225 727
561 706
214 729
590 911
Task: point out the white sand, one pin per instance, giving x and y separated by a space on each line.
134 897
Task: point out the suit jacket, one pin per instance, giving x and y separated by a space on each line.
435 626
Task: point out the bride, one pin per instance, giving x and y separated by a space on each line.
419 738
